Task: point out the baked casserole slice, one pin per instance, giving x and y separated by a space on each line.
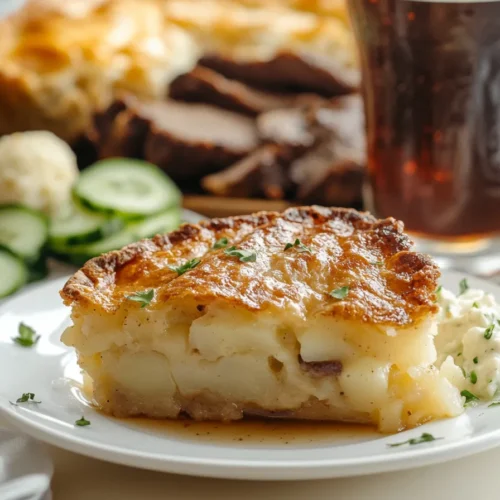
314 313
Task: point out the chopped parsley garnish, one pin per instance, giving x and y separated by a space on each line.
298 245
82 422
488 333
476 360
190 264
27 397
221 243
243 255
463 372
340 293
459 354
495 403
378 263
438 290
473 377
144 298
469 397
463 286
27 336
424 438
475 305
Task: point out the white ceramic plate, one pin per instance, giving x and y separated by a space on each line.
49 370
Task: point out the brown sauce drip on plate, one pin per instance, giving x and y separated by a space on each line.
256 431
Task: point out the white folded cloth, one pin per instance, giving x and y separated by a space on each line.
25 468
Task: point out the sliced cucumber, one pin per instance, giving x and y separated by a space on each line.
23 231
126 187
77 226
134 231
13 271
157 224
38 270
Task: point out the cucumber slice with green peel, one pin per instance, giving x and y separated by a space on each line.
23 231
156 224
78 226
79 254
13 271
126 187
134 231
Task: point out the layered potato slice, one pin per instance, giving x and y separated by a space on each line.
339 326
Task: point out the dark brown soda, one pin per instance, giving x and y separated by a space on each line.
431 82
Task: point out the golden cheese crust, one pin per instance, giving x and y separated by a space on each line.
388 283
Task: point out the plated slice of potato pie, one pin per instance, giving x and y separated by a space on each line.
314 313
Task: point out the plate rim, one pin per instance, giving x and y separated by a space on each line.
275 469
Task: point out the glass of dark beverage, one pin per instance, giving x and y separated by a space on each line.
431 86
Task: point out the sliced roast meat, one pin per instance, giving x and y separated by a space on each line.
103 120
288 129
342 118
118 130
260 174
330 175
289 72
189 141
209 87
126 137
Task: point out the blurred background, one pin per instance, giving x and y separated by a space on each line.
246 104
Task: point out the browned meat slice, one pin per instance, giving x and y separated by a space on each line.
287 128
330 174
119 130
104 119
289 71
343 117
260 174
126 137
207 86
189 141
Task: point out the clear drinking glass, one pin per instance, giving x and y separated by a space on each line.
431 86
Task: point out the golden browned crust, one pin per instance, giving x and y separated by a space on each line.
388 283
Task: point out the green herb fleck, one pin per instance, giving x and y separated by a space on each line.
243 255
221 243
27 336
439 289
298 245
190 264
459 354
424 438
82 422
488 333
463 286
476 360
495 403
473 377
469 397
144 298
340 293
378 263
475 305
27 397
463 372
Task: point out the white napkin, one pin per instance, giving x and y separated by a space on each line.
25 468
